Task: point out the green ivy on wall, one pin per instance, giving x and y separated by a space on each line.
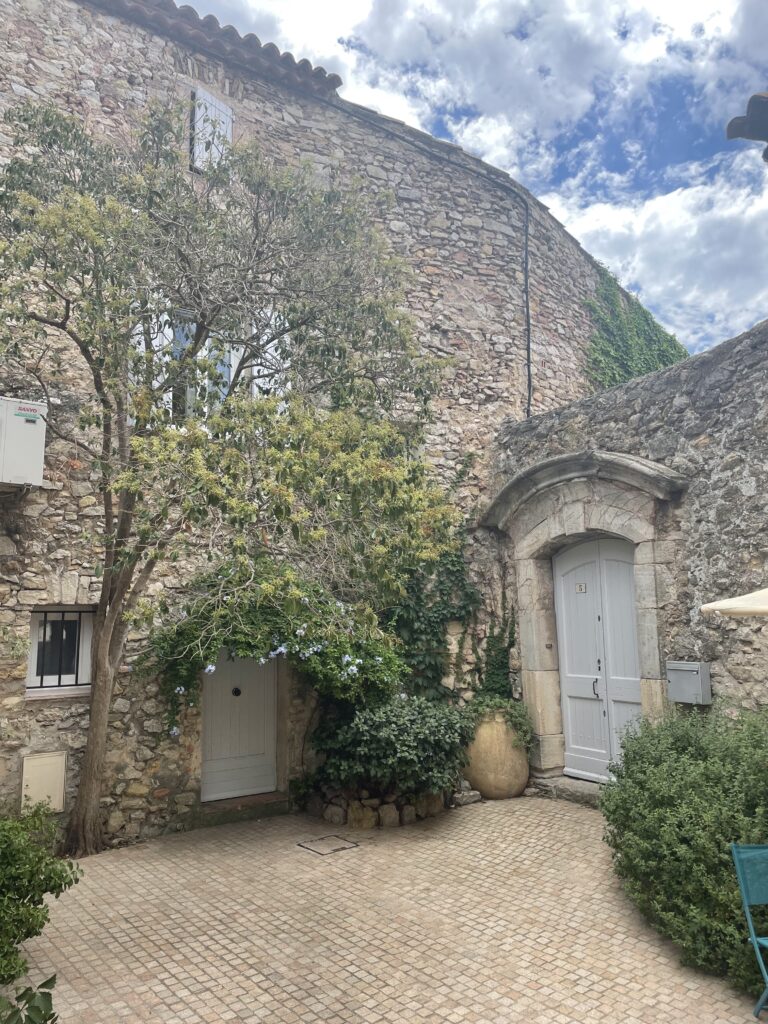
627 342
434 598
493 669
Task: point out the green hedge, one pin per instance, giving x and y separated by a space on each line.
410 745
687 787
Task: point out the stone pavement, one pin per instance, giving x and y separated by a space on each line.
493 913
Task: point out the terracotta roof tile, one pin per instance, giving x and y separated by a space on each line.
186 26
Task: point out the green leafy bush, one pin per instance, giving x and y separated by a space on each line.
687 787
28 871
410 745
30 1005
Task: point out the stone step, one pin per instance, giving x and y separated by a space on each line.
245 808
577 791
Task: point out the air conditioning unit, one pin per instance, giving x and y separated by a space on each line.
22 441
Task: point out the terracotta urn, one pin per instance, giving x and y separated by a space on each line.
498 762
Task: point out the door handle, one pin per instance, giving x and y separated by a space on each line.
594 689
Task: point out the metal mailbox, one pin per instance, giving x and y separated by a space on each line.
689 682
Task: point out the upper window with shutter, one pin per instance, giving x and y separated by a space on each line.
210 123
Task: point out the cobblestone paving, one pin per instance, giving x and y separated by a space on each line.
492 913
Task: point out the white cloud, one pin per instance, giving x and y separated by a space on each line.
312 31
694 254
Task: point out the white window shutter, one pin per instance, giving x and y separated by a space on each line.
211 120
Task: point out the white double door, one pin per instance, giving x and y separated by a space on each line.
597 641
239 729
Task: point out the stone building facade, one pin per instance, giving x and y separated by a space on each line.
673 464
496 284
485 256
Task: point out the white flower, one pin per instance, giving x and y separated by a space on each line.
378 660
262 661
174 731
353 670
301 630
179 689
209 670
403 696
346 659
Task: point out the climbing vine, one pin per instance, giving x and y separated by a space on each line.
493 669
494 692
627 341
435 597
514 711
339 648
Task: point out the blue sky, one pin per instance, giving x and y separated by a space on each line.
612 113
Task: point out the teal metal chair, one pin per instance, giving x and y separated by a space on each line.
752 872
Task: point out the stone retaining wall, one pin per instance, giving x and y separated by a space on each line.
363 810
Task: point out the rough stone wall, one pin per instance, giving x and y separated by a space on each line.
459 226
707 419
457 222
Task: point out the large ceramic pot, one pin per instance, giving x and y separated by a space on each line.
498 763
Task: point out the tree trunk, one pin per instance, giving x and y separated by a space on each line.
84 833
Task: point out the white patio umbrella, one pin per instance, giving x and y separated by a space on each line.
742 607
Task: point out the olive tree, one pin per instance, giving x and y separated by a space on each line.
207 322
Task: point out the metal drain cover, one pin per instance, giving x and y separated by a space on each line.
327 844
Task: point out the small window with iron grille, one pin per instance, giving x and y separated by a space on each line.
60 651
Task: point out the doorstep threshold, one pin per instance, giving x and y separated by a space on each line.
237 803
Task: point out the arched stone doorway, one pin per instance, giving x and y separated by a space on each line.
556 503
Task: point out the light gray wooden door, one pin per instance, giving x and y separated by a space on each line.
597 642
239 729
622 660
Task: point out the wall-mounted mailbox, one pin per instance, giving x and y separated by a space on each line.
689 682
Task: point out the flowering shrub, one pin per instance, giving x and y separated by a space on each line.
339 648
409 745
